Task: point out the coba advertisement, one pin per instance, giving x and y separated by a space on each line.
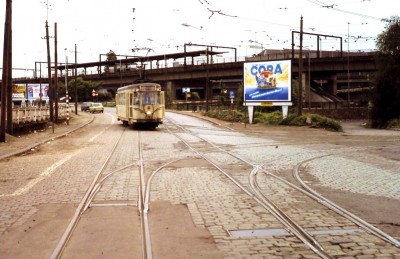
267 81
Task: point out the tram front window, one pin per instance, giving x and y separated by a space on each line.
148 98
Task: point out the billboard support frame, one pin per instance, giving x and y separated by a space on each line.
250 108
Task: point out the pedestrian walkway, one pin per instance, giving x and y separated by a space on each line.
15 145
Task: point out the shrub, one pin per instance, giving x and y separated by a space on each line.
275 118
314 121
270 118
394 123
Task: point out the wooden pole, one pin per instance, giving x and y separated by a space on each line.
55 75
51 90
76 84
9 77
7 32
300 104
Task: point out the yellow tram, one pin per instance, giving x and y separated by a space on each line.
140 104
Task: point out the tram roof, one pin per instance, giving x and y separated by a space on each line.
130 60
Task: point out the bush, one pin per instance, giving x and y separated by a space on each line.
226 115
314 121
394 123
275 118
270 118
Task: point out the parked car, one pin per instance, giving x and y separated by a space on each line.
85 106
96 107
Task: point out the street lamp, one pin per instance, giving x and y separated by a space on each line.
256 42
200 29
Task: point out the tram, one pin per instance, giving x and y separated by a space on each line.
141 104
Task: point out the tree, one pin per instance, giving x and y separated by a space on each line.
386 86
110 56
84 90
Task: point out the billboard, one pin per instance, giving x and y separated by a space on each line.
267 81
36 91
18 92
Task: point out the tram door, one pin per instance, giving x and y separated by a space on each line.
131 103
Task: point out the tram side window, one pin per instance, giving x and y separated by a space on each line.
120 98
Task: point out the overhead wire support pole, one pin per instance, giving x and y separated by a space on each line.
51 90
55 93
9 79
76 83
6 50
300 99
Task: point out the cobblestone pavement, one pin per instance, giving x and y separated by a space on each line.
350 167
358 168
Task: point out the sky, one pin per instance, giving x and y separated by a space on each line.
132 27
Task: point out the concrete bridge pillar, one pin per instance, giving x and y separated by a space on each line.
170 89
306 89
331 86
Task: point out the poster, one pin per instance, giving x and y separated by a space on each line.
18 92
267 81
36 91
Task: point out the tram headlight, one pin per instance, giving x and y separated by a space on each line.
148 113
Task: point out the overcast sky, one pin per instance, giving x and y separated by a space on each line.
97 26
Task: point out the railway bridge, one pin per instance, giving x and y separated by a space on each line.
329 76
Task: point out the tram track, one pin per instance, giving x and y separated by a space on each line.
62 243
256 192
88 200
345 213
102 176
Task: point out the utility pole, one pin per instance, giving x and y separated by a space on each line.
207 83
9 80
55 94
6 65
300 99
51 90
76 84
348 64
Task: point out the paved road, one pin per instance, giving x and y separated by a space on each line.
361 173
